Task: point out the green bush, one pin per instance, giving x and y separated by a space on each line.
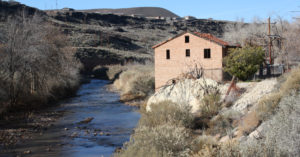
244 62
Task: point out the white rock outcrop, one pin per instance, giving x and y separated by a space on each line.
189 92
185 92
254 91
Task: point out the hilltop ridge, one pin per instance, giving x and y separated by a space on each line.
140 11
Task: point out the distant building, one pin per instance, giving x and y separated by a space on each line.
179 54
68 9
190 18
136 15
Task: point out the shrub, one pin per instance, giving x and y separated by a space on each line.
167 112
163 131
164 141
249 123
244 62
227 149
114 71
210 103
292 81
283 129
223 123
267 105
136 82
202 141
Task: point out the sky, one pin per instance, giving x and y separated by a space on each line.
231 10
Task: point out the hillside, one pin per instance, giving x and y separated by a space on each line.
103 39
142 11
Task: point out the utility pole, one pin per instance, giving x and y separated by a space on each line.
270 41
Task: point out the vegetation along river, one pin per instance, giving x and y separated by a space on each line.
112 125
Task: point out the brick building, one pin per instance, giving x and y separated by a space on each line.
182 52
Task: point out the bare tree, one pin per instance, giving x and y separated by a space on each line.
35 59
284 37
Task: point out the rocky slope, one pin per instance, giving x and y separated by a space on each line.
190 92
118 39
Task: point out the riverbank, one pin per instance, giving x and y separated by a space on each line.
19 123
197 118
21 128
134 82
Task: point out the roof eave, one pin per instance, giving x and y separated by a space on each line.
170 39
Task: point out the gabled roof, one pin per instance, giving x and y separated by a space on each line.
206 36
212 38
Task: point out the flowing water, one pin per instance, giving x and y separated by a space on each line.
112 125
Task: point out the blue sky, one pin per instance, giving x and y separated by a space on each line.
216 9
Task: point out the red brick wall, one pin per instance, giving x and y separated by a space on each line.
178 63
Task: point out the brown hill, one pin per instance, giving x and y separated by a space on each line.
142 11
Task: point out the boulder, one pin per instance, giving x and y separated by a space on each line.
184 92
87 120
253 93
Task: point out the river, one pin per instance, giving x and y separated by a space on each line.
112 125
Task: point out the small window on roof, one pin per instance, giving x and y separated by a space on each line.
187 39
187 52
168 54
207 53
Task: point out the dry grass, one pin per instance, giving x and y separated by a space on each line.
162 141
223 123
114 71
227 149
167 112
137 81
269 103
281 133
210 104
292 82
248 123
202 142
163 131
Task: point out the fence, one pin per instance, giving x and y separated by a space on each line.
270 71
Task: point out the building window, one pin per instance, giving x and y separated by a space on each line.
168 54
187 52
187 39
206 53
